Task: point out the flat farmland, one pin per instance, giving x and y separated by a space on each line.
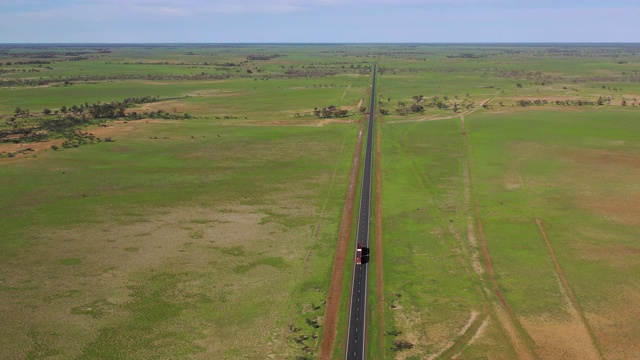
185 201
207 246
210 236
510 226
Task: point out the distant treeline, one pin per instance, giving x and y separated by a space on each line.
91 78
32 62
602 100
70 80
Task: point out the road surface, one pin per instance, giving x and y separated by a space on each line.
357 314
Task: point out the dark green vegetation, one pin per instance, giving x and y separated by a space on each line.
509 199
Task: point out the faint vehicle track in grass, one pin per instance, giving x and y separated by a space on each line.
332 309
568 293
457 345
520 340
468 255
345 92
478 332
501 311
422 179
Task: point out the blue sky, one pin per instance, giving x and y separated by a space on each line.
223 21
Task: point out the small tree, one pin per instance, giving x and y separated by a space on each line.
399 345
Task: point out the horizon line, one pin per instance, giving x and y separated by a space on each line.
326 43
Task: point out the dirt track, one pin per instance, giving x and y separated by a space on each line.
332 309
591 350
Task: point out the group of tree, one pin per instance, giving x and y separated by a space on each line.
421 103
78 138
309 73
602 100
21 112
30 62
111 110
404 109
92 78
330 112
263 57
467 56
67 121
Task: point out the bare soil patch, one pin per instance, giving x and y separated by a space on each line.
125 127
21 150
106 130
214 93
173 106
333 121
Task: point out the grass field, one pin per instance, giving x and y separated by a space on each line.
210 247
509 200
509 229
209 238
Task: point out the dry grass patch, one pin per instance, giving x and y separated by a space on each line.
559 338
619 209
175 107
616 323
65 292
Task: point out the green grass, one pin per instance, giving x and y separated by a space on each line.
72 261
110 187
509 214
426 277
538 147
185 235
150 310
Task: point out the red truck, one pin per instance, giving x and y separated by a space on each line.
359 254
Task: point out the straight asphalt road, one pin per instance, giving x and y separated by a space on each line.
357 314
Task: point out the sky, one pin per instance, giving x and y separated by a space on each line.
318 21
